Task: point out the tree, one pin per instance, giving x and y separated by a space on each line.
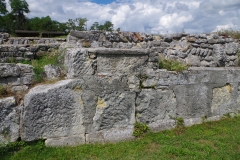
3 9
95 26
107 26
79 24
45 24
19 8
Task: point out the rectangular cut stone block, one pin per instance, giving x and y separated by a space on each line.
193 100
52 111
119 64
156 107
71 109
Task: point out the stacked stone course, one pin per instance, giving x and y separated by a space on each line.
25 48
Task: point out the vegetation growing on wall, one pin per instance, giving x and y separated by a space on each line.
172 65
3 90
140 129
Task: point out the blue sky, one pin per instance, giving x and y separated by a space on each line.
102 1
150 16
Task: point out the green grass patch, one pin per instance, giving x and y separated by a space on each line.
172 65
140 129
64 37
40 61
211 140
5 91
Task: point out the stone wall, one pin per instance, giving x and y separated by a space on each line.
207 50
16 77
107 90
104 108
25 48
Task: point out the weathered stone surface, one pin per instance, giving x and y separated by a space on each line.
193 60
231 48
52 72
222 101
219 54
78 63
154 106
193 101
7 70
69 109
45 109
66 141
167 38
119 64
16 76
9 120
192 121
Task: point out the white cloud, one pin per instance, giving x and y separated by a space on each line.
152 16
182 6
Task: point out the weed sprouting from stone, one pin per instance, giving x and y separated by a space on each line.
140 129
172 65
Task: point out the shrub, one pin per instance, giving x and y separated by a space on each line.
140 129
172 65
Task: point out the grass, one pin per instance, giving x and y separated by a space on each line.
140 129
5 91
172 65
232 33
42 60
211 140
64 37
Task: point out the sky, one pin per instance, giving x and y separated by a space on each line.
149 16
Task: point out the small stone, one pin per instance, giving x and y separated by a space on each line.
191 39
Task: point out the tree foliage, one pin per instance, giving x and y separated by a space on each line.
3 9
16 19
79 24
107 26
45 24
19 8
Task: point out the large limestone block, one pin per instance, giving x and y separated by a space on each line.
114 117
120 62
78 63
9 120
63 113
193 101
224 100
52 111
156 108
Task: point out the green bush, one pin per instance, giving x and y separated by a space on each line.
140 129
172 65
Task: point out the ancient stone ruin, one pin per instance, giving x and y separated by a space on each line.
113 81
